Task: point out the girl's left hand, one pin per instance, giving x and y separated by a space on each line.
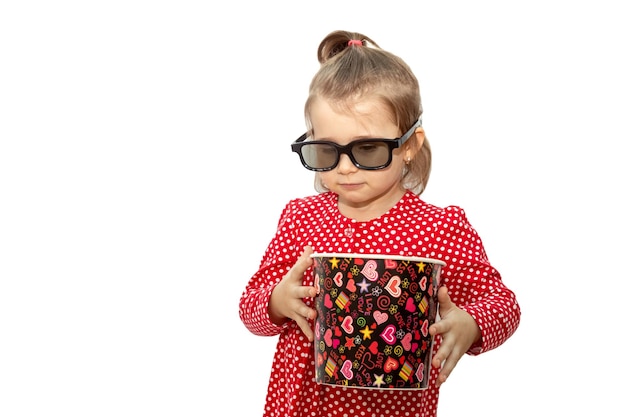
458 331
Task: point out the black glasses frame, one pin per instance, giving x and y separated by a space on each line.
347 149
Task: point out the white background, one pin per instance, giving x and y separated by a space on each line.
144 161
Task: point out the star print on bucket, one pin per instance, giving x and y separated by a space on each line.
374 311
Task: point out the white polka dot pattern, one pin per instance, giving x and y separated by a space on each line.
411 228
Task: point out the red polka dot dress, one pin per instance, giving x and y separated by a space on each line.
411 228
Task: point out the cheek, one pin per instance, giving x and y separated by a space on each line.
324 177
397 165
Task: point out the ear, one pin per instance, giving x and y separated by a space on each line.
414 144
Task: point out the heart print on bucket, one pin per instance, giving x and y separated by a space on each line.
373 315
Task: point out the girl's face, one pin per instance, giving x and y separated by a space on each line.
363 194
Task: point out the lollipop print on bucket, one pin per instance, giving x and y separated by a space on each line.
373 315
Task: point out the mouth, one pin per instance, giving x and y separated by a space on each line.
350 185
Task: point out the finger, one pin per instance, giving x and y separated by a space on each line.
445 306
448 366
303 323
305 311
442 353
439 327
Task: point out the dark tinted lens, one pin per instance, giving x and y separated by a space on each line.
371 153
319 155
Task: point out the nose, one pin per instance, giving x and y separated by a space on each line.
345 165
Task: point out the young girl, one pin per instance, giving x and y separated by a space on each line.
369 185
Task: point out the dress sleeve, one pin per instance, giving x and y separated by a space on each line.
279 257
474 284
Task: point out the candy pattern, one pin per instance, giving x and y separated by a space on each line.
373 316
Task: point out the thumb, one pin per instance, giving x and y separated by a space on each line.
445 302
303 262
305 259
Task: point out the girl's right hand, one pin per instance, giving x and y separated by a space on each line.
286 299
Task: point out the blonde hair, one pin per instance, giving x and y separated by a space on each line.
351 71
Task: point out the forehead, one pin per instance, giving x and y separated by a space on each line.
347 120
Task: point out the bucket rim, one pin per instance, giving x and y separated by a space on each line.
377 256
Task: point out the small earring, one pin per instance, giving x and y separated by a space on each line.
407 161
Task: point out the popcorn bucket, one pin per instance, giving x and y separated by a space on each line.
373 315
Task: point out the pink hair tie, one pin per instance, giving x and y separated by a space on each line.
356 42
